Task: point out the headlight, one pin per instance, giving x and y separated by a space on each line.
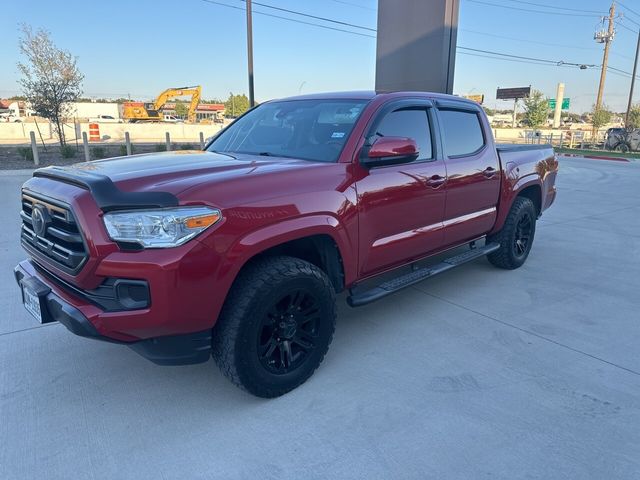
160 228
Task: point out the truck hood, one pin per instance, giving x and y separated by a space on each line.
177 171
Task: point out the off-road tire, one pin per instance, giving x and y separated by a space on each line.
236 335
508 256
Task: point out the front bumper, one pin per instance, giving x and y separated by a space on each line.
181 349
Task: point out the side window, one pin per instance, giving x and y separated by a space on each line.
411 123
461 131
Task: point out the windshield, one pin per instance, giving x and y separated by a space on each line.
304 129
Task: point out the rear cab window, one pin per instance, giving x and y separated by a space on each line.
462 132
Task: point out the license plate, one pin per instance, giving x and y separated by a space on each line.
31 303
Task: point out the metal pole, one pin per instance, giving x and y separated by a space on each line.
201 141
250 53
85 144
167 141
515 107
127 141
34 148
633 81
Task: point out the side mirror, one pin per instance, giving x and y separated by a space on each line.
390 151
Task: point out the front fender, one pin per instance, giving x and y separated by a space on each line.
244 248
278 233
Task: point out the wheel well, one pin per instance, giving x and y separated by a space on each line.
319 250
534 194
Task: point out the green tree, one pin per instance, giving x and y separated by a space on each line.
236 105
600 117
634 117
536 109
50 78
181 109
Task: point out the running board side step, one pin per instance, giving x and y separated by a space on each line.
360 297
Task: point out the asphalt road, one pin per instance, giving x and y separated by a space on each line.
478 373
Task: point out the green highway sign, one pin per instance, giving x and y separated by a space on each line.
565 103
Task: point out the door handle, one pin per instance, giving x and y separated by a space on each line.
489 172
436 181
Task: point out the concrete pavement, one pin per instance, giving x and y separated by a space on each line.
478 373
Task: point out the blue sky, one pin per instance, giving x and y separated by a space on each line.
140 47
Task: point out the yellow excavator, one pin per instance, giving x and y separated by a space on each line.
151 112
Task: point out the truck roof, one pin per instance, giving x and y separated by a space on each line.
371 94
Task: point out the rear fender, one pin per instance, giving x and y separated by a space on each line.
511 188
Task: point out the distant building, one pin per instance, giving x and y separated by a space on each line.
19 108
205 111
88 110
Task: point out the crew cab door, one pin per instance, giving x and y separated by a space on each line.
401 206
473 171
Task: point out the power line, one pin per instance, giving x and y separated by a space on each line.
534 11
355 5
315 17
555 7
630 20
548 44
502 59
554 62
627 28
290 19
522 59
622 71
628 9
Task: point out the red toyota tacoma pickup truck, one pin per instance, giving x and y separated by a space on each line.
238 251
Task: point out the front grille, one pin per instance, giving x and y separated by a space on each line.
53 235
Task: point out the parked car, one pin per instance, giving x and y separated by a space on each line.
238 252
622 140
105 119
172 119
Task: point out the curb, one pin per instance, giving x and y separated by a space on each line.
594 157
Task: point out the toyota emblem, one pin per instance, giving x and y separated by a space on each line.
39 220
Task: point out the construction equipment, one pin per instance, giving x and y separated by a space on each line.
150 112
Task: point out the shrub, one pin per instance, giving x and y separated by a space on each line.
98 152
123 150
160 147
26 153
67 151
186 146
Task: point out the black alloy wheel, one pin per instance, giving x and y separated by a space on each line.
522 235
276 325
516 236
289 332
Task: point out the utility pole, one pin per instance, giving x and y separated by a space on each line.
605 38
250 53
633 81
